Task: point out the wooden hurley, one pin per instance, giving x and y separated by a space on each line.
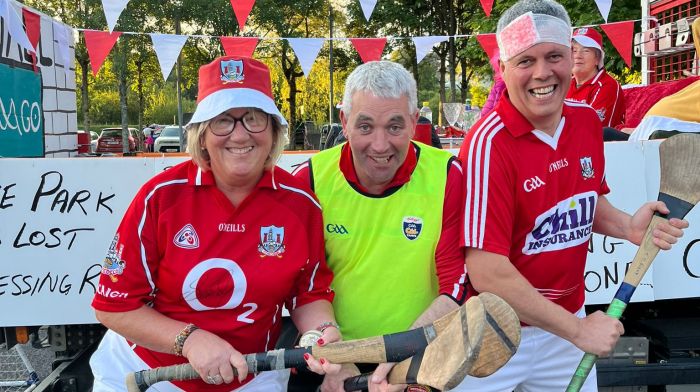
467 323
680 190
452 356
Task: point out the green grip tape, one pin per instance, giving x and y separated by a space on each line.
616 308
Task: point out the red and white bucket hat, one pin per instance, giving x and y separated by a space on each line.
590 38
234 82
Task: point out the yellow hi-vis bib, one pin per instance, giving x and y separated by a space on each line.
381 248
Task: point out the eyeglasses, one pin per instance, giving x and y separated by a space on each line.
254 121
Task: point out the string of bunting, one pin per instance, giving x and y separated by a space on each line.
168 46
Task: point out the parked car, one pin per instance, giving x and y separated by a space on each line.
110 140
168 139
93 141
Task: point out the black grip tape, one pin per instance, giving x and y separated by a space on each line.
400 346
414 367
357 383
679 208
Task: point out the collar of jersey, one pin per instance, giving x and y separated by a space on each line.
198 177
513 120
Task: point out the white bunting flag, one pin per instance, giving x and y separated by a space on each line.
368 7
64 36
167 47
14 25
306 50
425 45
112 9
604 8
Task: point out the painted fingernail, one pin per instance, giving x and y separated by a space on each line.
307 356
320 342
323 361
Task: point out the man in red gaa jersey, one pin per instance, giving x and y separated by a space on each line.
391 209
591 84
210 250
535 186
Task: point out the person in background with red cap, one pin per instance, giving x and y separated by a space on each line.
591 84
210 250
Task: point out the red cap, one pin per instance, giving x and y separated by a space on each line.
590 38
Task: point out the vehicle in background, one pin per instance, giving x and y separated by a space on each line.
110 141
329 134
93 141
168 140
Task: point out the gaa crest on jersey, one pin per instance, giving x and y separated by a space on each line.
412 227
271 241
187 238
232 71
587 168
113 265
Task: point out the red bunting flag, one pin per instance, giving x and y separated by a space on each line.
99 44
488 43
487 5
370 49
239 46
242 9
620 35
32 23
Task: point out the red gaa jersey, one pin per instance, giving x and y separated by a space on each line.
605 96
183 249
531 197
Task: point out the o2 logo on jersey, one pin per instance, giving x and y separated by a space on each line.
197 289
412 227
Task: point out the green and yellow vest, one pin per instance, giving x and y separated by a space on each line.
381 248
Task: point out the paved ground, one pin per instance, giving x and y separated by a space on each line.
12 368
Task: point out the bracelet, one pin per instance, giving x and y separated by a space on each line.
328 324
181 337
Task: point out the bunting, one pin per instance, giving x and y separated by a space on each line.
487 5
306 50
242 9
604 8
99 44
488 44
32 23
425 44
239 46
370 49
620 35
167 48
13 24
367 7
112 10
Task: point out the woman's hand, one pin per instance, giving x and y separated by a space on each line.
214 358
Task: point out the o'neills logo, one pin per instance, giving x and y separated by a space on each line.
565 225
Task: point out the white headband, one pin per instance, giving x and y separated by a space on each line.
531 29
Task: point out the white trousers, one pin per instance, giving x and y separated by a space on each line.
543 363
113 359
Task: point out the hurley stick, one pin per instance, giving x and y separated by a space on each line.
387 348
680 190
452 356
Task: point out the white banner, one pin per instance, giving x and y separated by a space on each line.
167 48
14 25
58 217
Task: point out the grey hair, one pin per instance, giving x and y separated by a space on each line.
385 79
200 155
546 7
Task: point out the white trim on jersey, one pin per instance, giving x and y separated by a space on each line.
457 165
491 126
297 190
143 222
313 276
198 178
302 166
460 284
551 141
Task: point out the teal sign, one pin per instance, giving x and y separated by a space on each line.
21 113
